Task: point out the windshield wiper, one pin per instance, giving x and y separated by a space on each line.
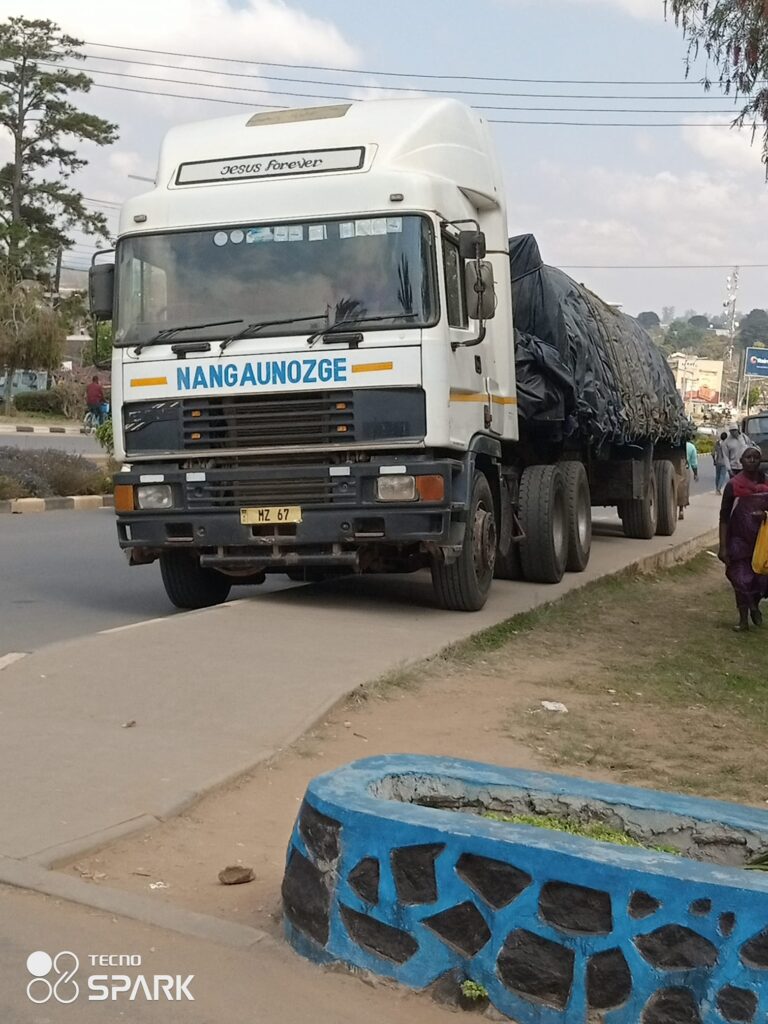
250 329
169 332
341 324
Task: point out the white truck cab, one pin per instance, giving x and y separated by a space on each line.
313 364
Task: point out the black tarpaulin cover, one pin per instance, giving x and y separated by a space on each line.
621 385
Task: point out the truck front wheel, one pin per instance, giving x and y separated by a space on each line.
463 585
544 518
188 585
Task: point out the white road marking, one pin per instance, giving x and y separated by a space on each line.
9 659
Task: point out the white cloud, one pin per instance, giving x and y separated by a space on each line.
266 29
732 150
611 217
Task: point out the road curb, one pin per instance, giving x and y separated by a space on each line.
36 871
77 502
29 429
144 909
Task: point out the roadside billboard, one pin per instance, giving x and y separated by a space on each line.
756 362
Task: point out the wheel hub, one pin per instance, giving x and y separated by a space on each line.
484 541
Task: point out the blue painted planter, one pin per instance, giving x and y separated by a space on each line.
559 929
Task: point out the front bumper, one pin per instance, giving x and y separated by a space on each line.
341 517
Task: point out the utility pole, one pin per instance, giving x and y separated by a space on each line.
732 290
56 280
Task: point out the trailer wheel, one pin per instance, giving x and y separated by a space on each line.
639 515
578 503
544 519
188 585
463 585
666 498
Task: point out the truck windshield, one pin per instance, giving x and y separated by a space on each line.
348 268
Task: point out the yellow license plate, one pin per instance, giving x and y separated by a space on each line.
270 515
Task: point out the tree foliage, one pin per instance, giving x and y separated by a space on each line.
733 34
31 333
699 321
649 320
753 328
38 209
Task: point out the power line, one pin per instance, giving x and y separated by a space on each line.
315 81
490 120
324 96
386 74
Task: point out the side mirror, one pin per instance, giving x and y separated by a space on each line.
472 245
101 290
481 293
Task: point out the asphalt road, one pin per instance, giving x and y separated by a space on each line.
62 575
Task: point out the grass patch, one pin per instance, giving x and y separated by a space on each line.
589 830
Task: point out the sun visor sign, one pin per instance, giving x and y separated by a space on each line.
270 165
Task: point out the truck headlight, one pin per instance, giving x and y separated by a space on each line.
396 488
154 496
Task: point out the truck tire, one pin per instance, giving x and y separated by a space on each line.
544 519
578 503
666 498
639 515
189 586
463 585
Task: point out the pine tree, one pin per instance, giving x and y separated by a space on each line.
38 206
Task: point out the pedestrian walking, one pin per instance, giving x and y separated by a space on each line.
722 464
684 485
736 444
743 510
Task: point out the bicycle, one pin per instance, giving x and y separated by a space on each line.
91 422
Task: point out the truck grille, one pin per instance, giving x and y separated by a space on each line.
222 492
255 421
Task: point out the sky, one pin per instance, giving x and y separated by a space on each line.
601 200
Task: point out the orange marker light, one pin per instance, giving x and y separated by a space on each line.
196 412
196 437
430 488
124 498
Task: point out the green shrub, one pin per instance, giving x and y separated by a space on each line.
47 472
106 438
705 445
39 401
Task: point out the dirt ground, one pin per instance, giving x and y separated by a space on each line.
659 692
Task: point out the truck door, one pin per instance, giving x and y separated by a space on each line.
472 369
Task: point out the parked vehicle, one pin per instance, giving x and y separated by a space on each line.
756 429
315 365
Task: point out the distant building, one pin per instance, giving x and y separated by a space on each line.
699 381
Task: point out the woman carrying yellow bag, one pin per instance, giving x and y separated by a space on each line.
743 517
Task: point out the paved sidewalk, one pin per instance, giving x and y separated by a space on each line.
212 693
